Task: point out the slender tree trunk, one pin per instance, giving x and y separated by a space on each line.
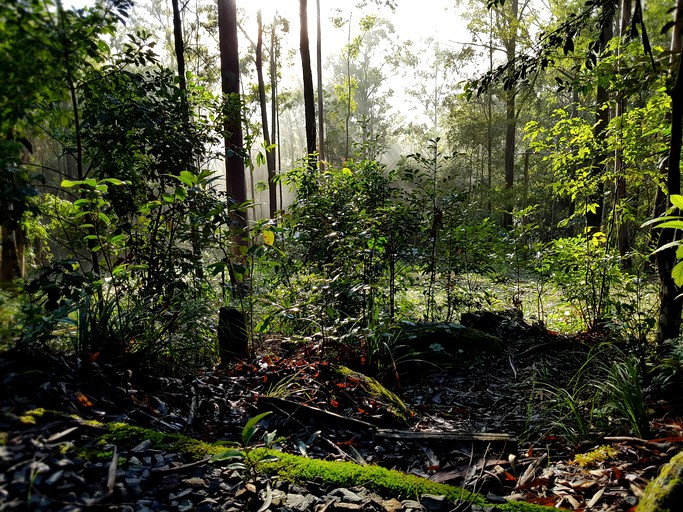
511 117
230 79
602 114
179 44
309 95
623 238
670 307
270 155
489 123
321 117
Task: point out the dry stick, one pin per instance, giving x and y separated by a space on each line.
111 476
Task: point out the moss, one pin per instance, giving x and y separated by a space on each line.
600 454
3 438
665 493
128 435
378 479
32 417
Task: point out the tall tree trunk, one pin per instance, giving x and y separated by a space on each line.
309 95
602 114
670 307
511 117
319 57
623 238
270 156
179 44
230 80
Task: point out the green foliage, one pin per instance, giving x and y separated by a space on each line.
246 458
604 395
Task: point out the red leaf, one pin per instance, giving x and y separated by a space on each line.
334 403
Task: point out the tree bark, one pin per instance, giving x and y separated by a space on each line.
270 156
623 238
321 125
309 96
179 45
511 118
230 81
602 114
670 307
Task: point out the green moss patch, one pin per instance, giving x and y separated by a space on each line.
384 481
126 435
665 493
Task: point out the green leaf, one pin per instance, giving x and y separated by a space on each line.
250 428
677 201
674 224
188 178
113 181
677 273
227 455
104 218
70 183
180 193
167 198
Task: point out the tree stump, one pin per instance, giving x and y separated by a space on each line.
232 335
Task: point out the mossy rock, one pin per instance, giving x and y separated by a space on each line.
665 493
446 344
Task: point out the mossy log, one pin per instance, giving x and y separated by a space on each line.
665 493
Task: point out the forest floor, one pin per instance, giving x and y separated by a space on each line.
481 428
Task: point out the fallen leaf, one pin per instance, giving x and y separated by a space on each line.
83 400
596 497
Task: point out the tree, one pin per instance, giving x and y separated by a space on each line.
230 80
670 305
321 116
309 94
270 156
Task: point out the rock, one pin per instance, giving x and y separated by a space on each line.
665 493
412 505
434 503
142 447
300 502
392 505
346 495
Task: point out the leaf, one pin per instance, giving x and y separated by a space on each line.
677 273
227 455
69 183
673 224
113 181
677 201
268 237
83 400
188 178
251 426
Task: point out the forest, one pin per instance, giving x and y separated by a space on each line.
341 256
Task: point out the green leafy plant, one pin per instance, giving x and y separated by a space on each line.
244 457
